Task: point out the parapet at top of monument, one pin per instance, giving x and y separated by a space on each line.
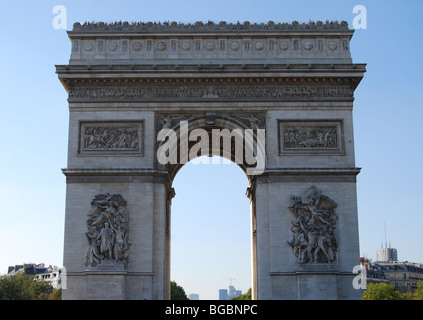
209 26
100 43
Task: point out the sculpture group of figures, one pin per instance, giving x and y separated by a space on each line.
105 138
313 238
313 138
107 234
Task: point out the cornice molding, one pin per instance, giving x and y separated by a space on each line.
211 68
221 77
309 175
111 172
312 171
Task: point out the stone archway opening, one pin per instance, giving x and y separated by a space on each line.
216 244
217 140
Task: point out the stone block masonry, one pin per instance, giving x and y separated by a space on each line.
128 81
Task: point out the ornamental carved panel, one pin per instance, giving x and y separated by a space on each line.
111 138
107 235
313 229
311 137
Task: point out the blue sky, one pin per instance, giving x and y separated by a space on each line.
388 116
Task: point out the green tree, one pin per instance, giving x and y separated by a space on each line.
24 287
418 294
382 291
56 295
177 292
244 296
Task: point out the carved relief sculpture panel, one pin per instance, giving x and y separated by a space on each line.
107 224
313 229
315 137
111 137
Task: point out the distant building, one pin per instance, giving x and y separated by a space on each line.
27 268
225 295
39 271
374 274
403 275
53 275
233 293
194 296
386 254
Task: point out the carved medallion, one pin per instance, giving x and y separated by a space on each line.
137 46
88 46
284 45
113 46
161 46
259 45
308 45
210 46
235 46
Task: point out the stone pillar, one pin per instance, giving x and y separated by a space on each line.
280 273
144 276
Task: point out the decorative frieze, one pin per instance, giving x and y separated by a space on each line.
281 67
173 92
111 137
204 41
316 137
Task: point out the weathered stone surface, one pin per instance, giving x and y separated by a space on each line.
127 82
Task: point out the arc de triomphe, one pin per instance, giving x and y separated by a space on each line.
144 98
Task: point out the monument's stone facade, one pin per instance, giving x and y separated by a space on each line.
128 82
